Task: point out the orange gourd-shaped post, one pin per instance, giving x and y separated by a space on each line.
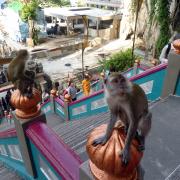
105 161
26 108
67 100
53 93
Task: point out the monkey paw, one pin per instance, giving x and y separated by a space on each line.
101 140
125 156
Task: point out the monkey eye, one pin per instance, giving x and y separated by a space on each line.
122 80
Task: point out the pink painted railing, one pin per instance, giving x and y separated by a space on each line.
65 162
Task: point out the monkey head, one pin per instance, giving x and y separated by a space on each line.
117 84
23 53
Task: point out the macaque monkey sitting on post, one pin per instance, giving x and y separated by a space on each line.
127 102
21 71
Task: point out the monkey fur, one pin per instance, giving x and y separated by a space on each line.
20 75
127 102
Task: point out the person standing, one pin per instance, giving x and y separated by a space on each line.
71 90
163 58
86 85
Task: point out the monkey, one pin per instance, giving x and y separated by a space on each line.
20 73
127 102
17 65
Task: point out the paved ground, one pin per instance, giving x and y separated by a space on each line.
56 67
163 144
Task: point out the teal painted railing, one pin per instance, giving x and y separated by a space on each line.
10 152
59 107
151 81
86 106
46 107
177 90
47 152
130 72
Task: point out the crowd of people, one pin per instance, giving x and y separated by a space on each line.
70 90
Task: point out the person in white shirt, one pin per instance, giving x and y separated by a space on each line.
163 58
72 91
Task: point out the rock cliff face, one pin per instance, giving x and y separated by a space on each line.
147 34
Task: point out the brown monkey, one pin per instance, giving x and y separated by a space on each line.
17 65
20 75
127 102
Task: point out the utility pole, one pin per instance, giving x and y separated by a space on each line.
85 40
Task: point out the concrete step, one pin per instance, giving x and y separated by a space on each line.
75 133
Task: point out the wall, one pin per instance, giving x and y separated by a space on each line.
106 34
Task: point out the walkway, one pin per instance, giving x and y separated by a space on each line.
163 143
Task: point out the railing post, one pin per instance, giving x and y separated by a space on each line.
27 111
67 100
52 97
172 75
135 68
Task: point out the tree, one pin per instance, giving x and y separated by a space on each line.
54 3
28 14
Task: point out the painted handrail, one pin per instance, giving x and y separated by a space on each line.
46 107
59 107
8 133
130 72
150 80
149 71
64 161
92 104
52 158
10 153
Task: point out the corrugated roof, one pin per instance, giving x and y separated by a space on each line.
64 13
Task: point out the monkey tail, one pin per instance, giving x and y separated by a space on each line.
144 125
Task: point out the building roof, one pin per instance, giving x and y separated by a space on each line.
77 12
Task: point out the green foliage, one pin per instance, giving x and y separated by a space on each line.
53 3
163 18
16 5
121 61
161 10
153 10
28 10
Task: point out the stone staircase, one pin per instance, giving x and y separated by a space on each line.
74 133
